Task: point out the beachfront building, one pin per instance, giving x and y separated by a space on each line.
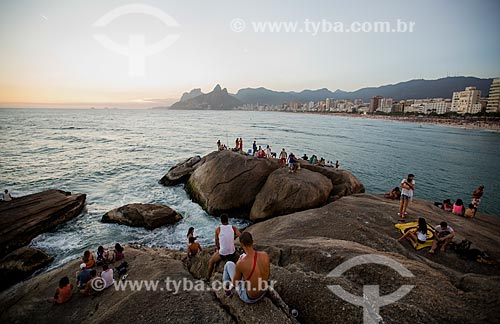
385 105
375 103
467 101
493 104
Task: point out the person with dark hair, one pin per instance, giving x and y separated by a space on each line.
107 276
293 163
283 156
190 233
458 207
305 157
445 235
88 259
337 164
119 252
254 148
193 247
241 145
446 205
6 196
89 286
63 292
100 257
407 186
224 240
394 194
416 235
250 275
470 212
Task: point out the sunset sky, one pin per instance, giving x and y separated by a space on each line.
50 58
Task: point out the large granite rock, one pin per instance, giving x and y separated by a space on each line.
26 303
149 216
180 172
20 264
305 246
24 218
229 182
286 193
344 183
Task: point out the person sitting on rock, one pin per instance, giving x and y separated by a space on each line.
305 157
6 196
83 276
88 259
89 286
190 233
250 275
458 207
107 276
119 252
445 235
470 212
63 292
193 247
224 240
321 162
446 205
416 235
394 194
101 256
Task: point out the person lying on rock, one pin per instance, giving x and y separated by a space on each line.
224 240
63 292
394 194
250 275
445 235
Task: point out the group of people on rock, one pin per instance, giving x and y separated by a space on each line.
405 195
458 207
244 270
290 159
444 235
87 276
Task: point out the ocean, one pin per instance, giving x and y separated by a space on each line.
117 157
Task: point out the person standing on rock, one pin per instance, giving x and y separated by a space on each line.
283 156
241 145
237 145
250 275
218 145
407 186
269 152
254 147
476 197
224 240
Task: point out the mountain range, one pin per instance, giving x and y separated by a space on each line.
414 89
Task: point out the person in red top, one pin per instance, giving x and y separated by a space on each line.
241 144
63 292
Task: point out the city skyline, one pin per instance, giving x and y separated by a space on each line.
51 58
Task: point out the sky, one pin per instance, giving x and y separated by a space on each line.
50 55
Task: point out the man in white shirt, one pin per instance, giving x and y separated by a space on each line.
107 276
224 240
445 235
6 196
407 186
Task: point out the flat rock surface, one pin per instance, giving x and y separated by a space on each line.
24 218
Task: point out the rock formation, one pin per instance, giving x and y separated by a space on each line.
149 216
248 187
24 218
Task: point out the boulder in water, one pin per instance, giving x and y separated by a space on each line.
180 172
149 216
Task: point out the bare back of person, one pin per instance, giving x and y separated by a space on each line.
256 281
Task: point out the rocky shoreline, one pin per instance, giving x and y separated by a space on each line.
306 238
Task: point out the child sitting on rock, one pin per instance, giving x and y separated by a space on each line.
470 211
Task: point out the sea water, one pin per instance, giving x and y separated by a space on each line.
117 157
